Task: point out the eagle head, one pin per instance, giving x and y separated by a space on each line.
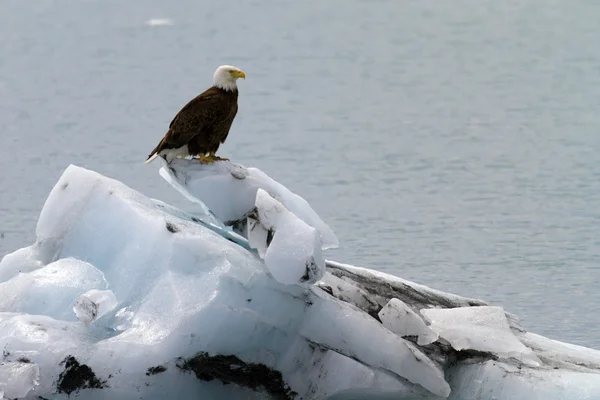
226 75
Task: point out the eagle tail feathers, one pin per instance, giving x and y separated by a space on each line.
151 158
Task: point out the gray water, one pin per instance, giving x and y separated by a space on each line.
451 143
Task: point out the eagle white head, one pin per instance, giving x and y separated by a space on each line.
225 77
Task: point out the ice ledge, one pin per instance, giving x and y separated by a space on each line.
229 191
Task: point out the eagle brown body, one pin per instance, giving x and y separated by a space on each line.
203 124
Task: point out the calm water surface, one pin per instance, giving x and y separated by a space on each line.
452 143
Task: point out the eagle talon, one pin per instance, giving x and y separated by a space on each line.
217 158
202 159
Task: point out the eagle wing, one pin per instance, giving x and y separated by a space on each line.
191 121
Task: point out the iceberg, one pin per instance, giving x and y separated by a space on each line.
126 297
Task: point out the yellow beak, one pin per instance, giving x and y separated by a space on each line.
239 74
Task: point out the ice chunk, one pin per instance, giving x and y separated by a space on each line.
482 328
332 372
18 378
28 259
380 285
159 22
94 304
123 319
229 191
291 249
403 321
42 341
294 255
562 355
496 380
338 327
50 290
22 260
349 292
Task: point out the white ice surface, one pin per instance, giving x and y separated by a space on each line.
17 378
494 380
562 355
183 284
181 289
229 191
290 248
47 289
403 321
482 328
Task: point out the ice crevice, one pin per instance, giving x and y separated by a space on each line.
123 296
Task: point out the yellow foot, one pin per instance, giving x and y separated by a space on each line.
217 158
205 159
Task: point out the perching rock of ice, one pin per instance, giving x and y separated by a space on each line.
229 191
403 321
483 329
94 304
191 310
290 248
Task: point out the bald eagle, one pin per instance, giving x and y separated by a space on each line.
202 125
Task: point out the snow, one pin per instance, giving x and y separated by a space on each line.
138 294
403 321
483 328
229 191
290 248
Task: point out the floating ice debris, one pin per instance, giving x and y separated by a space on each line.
159 22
